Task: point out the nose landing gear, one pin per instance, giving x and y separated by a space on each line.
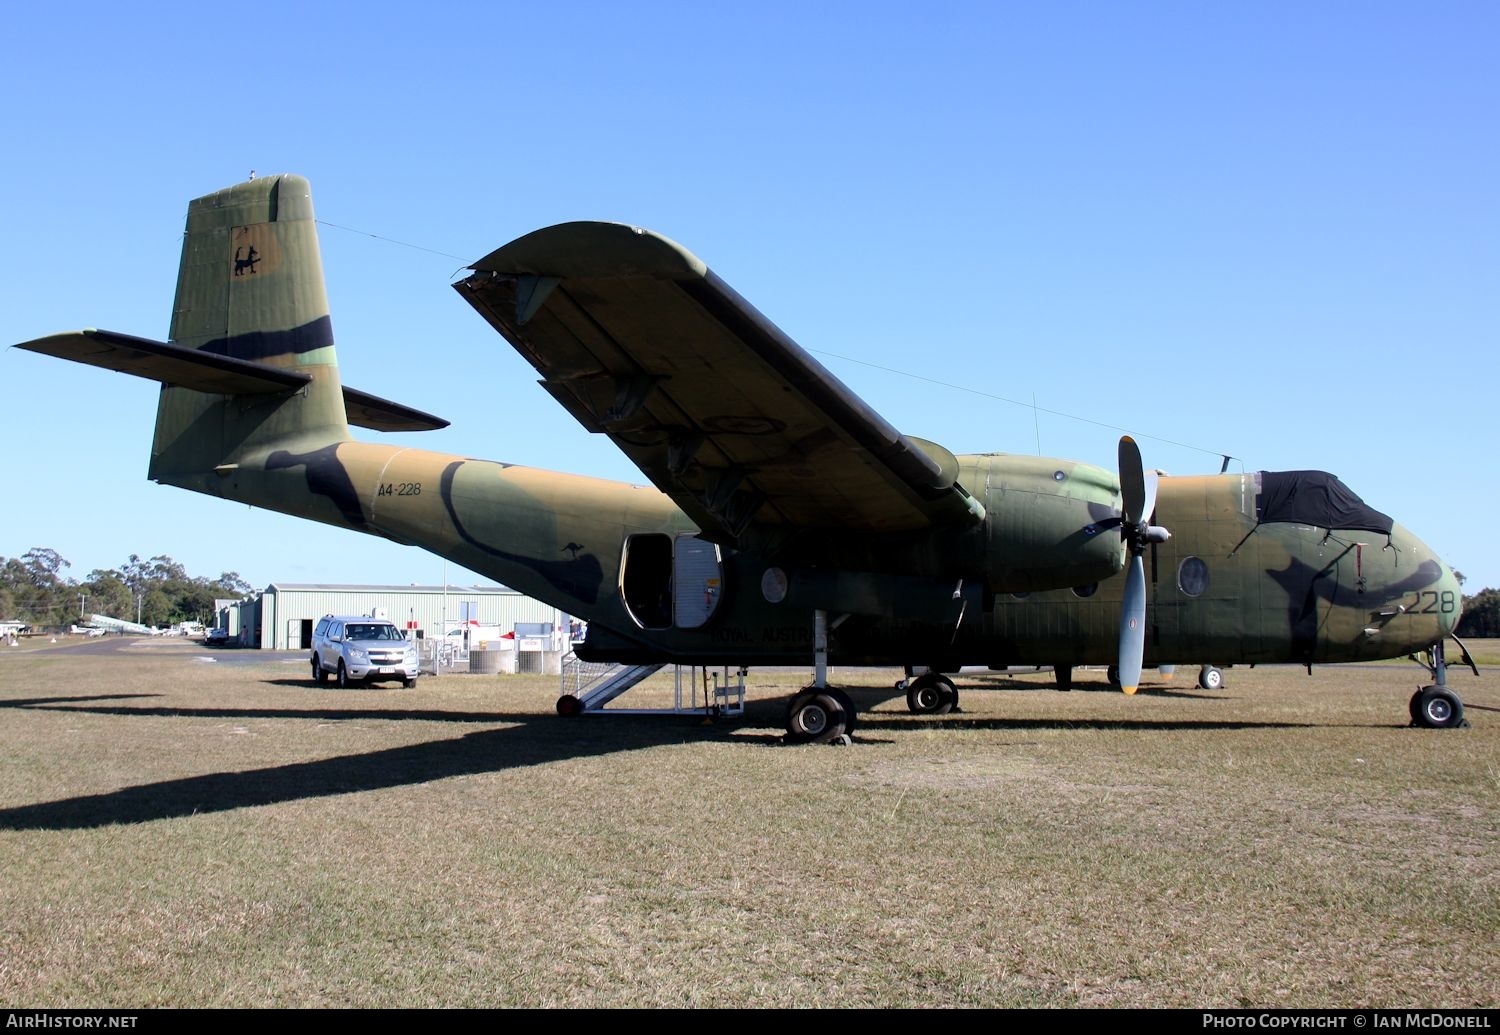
1436 706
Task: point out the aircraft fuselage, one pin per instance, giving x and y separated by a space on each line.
1031 584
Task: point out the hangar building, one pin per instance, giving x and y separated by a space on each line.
282 616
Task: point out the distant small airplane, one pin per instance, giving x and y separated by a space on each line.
106 624
788 521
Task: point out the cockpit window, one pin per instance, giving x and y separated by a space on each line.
1315 498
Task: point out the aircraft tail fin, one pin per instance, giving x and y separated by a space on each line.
250 364
250 289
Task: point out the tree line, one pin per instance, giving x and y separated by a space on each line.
1481 615
34 588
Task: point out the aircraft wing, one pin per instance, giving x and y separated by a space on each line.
640 341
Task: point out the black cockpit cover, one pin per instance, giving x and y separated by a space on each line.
1315 498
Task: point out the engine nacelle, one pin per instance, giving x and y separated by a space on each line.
1051 523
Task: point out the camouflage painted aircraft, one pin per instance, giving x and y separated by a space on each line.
787 520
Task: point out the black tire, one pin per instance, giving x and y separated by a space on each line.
816 717
1439 708
342 678
1064 677
1210 678
409 683
318 675
851 714
1412 705
923 695
569 706
931 694
1113 675
949 692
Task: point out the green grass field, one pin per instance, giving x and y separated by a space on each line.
179 832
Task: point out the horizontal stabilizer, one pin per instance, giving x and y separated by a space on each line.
169 364
218 375
370 411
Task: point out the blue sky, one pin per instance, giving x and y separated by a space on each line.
1269 230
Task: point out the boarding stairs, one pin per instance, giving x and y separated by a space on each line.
596 684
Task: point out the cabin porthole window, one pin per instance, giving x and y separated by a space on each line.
1192 576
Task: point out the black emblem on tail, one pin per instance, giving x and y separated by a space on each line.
247 264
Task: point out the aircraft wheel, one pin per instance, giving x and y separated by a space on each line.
569 706
1439 708
342 679
817 717
1412 705
1210 678
1113 675
1064 676
931 694
923 696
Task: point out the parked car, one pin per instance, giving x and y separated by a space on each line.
217 638
355 648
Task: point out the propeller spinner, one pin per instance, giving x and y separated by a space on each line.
1138 494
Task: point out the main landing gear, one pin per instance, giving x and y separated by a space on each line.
931 693
820 714
1435 706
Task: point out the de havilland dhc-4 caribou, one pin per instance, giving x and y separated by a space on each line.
786 520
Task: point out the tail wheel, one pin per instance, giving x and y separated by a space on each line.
569 706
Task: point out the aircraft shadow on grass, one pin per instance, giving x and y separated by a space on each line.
530 740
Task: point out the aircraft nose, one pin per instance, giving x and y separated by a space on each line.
1432 601
1449 592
